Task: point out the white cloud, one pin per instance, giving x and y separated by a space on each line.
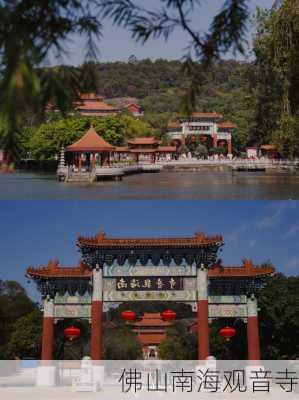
277 209
252 243
292 230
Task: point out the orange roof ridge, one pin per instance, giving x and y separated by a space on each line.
199 238
143 140
55 270
198 114
246 269
90 141
226 124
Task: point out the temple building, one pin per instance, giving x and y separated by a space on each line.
150 331
135 109
145 149
91 105
180 269
210 128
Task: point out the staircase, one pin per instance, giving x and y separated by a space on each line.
79 177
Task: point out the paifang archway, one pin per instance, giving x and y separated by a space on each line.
181 269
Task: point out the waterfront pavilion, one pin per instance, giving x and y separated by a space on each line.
90 150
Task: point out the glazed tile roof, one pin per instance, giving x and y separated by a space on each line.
248 269
54 270
198 240
94 105
167 149
151 319
90 141
227 124
211 115
143 140
151 338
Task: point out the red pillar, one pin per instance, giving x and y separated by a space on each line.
215 140
96 330
229 146
202 313
48 331
203 329
96 315
253 339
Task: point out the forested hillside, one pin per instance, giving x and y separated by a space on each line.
160 87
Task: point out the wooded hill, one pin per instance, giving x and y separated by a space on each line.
160 87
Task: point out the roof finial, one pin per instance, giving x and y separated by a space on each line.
101 235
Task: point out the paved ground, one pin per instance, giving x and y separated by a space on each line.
113 393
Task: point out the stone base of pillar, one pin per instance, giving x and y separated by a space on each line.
46 376
98 375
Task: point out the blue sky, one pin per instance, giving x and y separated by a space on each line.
33 232
116 43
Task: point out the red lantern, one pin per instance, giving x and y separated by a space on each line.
72 333
168 315
227 333
128 315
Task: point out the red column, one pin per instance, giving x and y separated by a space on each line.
202 313
48 331
96 315
96 330
229 146
253 339
214 140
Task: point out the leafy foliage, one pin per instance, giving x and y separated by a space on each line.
178 344
227 29
29 31
279 318
121 344
25 340
46 141
14 304
277 55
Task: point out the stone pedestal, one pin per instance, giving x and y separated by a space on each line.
46 376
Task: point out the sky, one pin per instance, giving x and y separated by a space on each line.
116 43
33 232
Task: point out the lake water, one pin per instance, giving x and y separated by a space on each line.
164 185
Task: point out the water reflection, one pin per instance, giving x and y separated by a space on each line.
165 185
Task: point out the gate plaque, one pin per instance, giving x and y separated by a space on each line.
143 283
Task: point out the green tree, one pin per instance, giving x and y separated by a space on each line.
14 304
46 141
30 30
25 340
178 344
201 151
277 52
279 318
121 344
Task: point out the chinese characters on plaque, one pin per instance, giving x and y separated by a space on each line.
149 283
